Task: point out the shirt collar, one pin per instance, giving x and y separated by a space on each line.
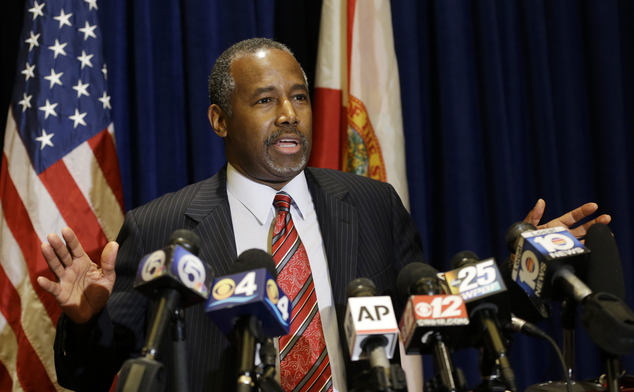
258 198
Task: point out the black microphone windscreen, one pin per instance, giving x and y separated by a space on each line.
514 232
604 272
187 239
253 259
361 287
461 258
410 274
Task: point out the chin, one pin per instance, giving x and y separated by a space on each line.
287 169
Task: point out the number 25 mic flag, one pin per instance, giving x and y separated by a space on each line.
59 168
357 118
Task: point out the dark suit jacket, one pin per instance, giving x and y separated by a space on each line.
366 232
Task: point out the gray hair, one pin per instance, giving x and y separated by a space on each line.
221 83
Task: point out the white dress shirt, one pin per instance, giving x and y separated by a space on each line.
253 213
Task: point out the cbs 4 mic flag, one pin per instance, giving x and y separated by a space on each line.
357 115
59 168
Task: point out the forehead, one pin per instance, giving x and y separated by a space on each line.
266 67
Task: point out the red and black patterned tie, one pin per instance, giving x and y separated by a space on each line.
303 356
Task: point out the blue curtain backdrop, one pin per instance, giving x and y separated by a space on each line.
504 102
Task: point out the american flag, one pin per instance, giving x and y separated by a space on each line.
59 168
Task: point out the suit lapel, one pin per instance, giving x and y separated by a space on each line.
338 223
210 210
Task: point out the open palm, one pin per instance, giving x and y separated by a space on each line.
82 288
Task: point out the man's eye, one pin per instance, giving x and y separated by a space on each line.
264 100
300 97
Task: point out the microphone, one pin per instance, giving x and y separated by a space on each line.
372 333
483 290
428 312
370 325
251 290
176 278
248 306
604 272
608 320
432 323
543 257
175 267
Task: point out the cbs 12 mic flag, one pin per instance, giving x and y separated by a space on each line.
357 118
59 168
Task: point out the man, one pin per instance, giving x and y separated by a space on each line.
350 227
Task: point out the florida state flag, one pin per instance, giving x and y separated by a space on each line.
358 124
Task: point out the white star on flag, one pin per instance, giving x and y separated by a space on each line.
63 19
85 59
92 3
28 71
45 139
88 30
37 9
48 109
78 118
32 41
104 70
105 100
26 102
58 49
54 78
81 89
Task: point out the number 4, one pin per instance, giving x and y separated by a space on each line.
247 285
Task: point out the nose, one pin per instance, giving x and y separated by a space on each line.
287 114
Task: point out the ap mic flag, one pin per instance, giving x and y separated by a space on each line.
358 122
59 168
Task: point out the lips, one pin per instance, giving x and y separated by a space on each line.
288 143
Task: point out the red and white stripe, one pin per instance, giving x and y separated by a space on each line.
83 191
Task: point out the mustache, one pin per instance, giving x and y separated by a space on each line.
271 139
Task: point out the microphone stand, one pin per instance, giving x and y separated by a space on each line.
382 376
568 320
446 379
249 332
268 356
247 329
146 374
179 352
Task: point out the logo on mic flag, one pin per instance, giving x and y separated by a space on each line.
175 267
477 280
539 252
251 293
429 313
366 317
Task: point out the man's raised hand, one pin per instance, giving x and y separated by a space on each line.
569 219
82 288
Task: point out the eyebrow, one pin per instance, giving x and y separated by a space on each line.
300 86
262 90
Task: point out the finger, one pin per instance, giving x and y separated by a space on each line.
72 243
53 262
536 213
577 214
59 249
108 257
48 286
583 229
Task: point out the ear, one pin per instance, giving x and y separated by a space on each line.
218 120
